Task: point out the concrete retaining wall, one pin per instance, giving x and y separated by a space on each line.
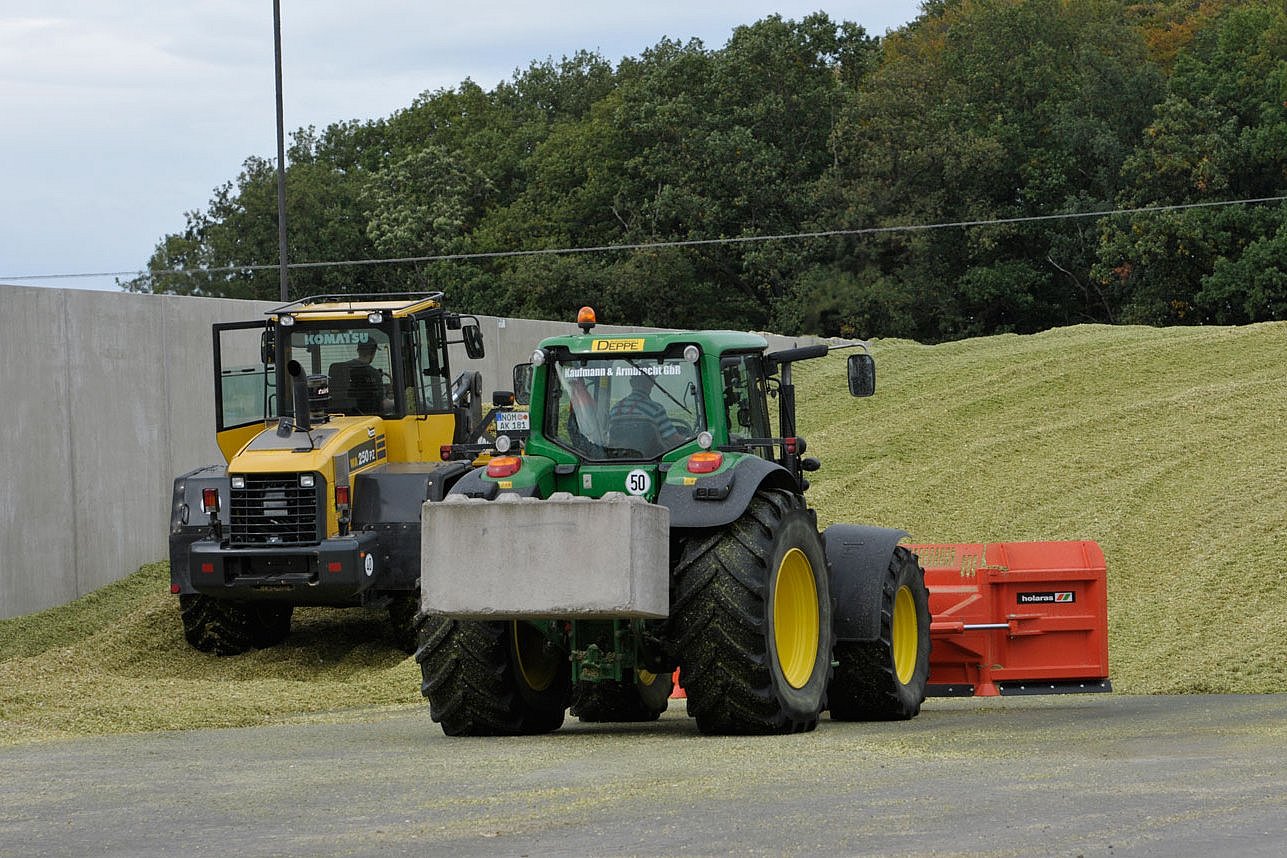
104 398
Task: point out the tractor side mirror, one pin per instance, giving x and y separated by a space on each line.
862 374
473 338
523 383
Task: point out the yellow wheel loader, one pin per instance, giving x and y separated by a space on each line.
332 414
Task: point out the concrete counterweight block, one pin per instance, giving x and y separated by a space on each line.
565 557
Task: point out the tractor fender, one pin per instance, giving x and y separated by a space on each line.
859 557
720 499
536 481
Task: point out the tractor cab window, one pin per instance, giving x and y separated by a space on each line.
745 403
356 360
623 408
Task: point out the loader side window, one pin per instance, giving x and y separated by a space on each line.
745 406
425 373
244 385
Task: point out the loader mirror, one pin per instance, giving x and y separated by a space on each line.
473 338
862 374
523 383
268 347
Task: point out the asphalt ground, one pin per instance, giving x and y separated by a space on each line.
1068 775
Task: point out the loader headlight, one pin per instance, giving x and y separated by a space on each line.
305 481
239 482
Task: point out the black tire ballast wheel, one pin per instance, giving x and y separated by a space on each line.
884 679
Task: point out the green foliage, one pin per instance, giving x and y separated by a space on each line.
1220 133
977 111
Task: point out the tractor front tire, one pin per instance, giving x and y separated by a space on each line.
639 696
492 678
232 628
885 679
752 620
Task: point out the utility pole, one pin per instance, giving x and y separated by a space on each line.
281 154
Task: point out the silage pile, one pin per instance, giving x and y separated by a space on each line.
1168 447
1165 446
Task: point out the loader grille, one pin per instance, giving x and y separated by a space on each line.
273 509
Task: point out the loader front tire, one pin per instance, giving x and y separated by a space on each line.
403 609
492 678
884 679
751 616
232 628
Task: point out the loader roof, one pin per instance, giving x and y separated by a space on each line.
337 307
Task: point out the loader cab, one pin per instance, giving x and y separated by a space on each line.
379 356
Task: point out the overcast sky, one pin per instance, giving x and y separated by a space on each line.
118 117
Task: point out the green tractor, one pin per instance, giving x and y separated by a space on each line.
656 521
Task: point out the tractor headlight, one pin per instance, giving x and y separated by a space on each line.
238 482
305 481
503 443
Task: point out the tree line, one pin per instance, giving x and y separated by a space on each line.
950 168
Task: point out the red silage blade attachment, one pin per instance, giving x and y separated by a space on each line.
1016 618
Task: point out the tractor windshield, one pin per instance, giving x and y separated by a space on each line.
623 408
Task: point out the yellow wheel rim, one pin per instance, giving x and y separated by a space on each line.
536 667
795 618
905 634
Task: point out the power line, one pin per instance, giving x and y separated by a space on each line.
661 245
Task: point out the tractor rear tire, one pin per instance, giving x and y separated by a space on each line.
640 696
232 628
885 679
752 621
492 678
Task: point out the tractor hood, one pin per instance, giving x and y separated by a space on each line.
350 443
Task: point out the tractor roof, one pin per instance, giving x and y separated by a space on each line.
346 307
632 342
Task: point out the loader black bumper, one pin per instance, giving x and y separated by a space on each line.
338 571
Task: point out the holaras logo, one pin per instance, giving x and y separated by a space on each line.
1059 597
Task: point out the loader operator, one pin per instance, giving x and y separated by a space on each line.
358 380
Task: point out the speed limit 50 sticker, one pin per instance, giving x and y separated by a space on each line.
638 482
